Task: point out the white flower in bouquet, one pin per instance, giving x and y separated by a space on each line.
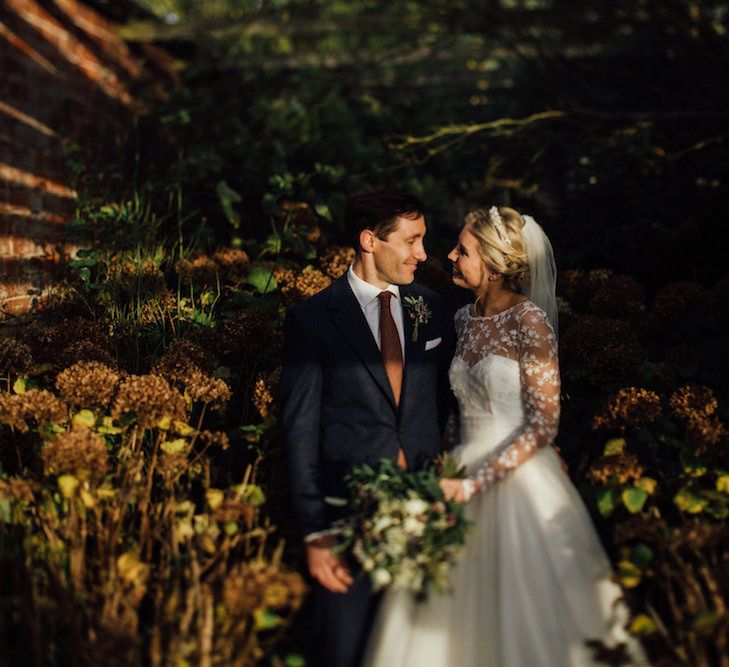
381 524
413 526
415 506
381 578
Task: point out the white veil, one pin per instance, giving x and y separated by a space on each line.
542 268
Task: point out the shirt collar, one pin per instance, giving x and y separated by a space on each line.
364 292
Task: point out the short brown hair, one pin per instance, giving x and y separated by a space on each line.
378 209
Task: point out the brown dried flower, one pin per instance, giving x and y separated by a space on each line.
305 284
265 391
171 466
693 403
202 388
575 287
250 333
677 302
88 384
233 263
18 489
12 412
15 357
43 406
140 276
180 360
602 344
234 509
151 398
48 343
336 260
200 270
699 535
79 452
628 408
218 438
83 350
618 468
248 587
620 297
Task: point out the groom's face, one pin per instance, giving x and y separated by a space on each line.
397 256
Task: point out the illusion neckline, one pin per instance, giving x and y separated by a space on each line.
495 315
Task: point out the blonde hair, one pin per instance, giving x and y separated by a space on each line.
506 257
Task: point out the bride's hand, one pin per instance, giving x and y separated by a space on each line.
453 489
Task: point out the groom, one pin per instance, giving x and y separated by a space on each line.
359 384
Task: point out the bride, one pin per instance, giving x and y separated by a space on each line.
534 584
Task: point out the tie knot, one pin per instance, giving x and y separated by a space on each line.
384 297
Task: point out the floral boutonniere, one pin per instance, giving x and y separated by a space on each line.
419 313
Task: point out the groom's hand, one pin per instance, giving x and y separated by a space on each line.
325 567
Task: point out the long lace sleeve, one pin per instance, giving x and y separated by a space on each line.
540 390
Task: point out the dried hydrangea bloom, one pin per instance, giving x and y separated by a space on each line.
601 344
151 398
677 302
79 452
233 262
144 276
202 388
250 333
18 489
218 438
180 360
619 468
200 270
257 584
305 284
15 357
693 403
43 406
699 535
628 408
621 297
12 412
83 350
234 509
639 527
158 307
575 287
336 260
172 466
265 391
88 384
48 341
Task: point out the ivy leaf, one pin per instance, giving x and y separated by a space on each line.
634 498
20 386
84 418
648 484
722 483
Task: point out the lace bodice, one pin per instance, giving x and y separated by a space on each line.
505 375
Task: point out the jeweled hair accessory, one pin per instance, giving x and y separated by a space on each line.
496 222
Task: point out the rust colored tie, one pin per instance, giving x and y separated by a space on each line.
391 352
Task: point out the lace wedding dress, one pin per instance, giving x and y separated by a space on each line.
534 583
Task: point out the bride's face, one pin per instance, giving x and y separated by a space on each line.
469 270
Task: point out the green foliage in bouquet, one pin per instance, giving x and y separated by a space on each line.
401 529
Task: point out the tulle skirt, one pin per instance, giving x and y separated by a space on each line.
533 585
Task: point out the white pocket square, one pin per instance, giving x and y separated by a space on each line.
430 344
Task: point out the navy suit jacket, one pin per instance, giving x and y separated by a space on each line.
338 407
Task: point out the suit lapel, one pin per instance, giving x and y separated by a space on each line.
413 351
348 317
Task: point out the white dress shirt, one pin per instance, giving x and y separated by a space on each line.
367 296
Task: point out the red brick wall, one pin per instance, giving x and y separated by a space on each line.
65 77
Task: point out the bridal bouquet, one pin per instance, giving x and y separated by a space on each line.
401 529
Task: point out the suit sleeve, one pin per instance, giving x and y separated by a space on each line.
301 385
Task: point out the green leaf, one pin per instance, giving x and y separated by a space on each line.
605 502
642 625
641 554
629 574
266 620
722 483
84 274
262 279
334 501
614 446
705 622
634 498
84 418
688 502
294 660
648 484
20 385
692 465
254 495
68 485
176 446
323 211
228 197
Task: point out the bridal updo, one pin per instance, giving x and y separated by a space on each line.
505 256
